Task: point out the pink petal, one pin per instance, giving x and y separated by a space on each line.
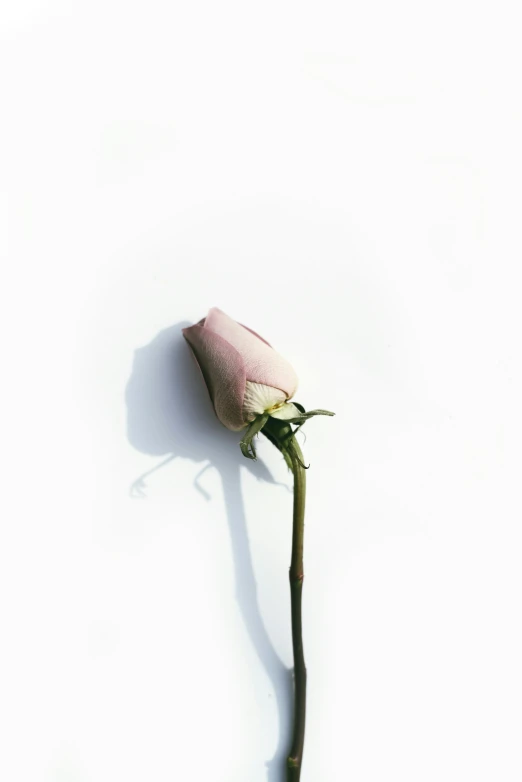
224 373
262 363
256 334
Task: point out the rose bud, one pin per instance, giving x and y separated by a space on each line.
244 375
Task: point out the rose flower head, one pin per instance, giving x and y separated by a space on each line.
245 376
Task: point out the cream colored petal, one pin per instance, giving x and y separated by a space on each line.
261 399
288 410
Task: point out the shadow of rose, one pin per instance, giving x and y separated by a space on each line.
169 415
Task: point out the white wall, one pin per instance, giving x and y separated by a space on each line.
345 179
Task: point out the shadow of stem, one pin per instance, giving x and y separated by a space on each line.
280 676
169 414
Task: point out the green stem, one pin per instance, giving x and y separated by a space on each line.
295 758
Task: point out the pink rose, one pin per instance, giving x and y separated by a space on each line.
244 374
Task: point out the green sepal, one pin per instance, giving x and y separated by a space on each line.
247 443
279 432
305 416
287 458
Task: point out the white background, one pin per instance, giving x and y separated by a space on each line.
345 178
